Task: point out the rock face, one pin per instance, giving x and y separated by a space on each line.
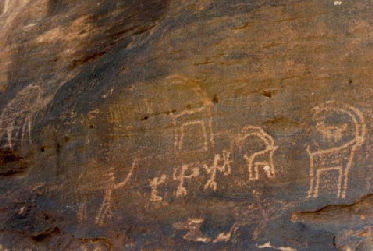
176 125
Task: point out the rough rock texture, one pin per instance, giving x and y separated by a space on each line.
186 124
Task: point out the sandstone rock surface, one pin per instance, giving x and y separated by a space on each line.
186 125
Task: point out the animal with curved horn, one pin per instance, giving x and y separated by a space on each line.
340 157
259 159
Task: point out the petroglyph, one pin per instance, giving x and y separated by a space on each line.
156 181
182 176
17 115
181 129
105 210
260 159
148 106
116 114
199 117
340 156
190 124
225 168
193 225
130 173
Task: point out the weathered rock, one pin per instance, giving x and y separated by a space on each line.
203 125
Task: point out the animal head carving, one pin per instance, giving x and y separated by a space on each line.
331 133
338 122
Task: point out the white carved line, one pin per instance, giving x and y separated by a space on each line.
333 134
105 208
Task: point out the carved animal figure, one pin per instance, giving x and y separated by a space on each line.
17 115
339 157
198 118
262 158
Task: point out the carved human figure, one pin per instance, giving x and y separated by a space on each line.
105 211
82 211
343 138
262 158
221 164
182 176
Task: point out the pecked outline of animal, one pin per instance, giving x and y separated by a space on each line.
263 158
337 158
334 133
186 118
20 111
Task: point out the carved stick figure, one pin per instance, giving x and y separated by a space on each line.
338 158
225 168
181 190
105 208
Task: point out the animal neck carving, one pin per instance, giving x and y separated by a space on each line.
337 158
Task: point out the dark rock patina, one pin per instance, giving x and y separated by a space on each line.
186 124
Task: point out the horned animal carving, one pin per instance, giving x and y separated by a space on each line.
259 159
339 157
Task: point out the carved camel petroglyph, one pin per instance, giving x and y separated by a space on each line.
199 117
340 157
260 159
